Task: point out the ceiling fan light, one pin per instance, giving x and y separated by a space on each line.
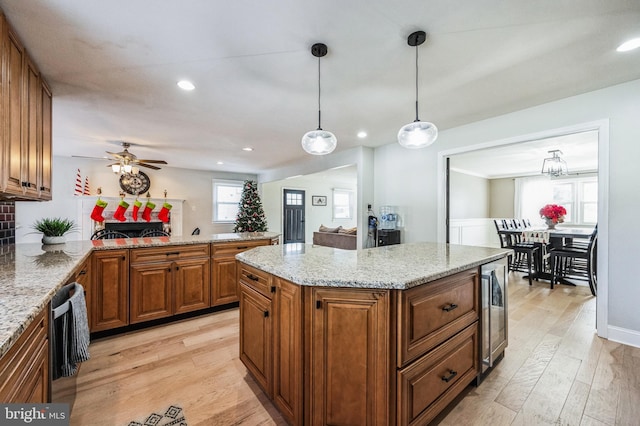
418 134
135 170
319 142
127 168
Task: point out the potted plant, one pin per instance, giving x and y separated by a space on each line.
53 229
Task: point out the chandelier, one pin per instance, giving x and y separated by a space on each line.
554 166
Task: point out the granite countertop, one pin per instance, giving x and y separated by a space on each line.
399 266
30 274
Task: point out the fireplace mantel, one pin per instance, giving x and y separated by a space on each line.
87 226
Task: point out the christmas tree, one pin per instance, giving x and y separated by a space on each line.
250 213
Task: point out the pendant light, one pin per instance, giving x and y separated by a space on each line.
554 166
418 134
319 142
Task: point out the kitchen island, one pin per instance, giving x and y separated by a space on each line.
376 336
30 274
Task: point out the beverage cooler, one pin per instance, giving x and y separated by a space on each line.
493 317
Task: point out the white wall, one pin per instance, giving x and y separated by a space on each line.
315 216
501 195
193 186
469 196
408 177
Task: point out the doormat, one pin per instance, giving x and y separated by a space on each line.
173 416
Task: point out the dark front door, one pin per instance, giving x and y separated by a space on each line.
293 216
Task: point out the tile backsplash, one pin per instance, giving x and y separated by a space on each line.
7 223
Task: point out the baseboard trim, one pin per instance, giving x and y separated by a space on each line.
624 335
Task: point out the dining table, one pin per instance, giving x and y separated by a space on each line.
558 238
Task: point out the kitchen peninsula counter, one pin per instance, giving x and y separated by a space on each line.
387 335
30 273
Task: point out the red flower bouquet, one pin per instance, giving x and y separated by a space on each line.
553 212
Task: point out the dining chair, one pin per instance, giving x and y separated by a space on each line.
153 233
103 234
523 259
576 263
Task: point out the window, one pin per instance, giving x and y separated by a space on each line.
578 195
342 204
226 197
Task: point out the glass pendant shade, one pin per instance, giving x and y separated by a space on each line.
418 134
555 166
319 142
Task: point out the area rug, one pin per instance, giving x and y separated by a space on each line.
173 416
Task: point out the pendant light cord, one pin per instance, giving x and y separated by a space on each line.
417 119
319 127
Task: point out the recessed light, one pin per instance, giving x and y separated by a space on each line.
186 85
628 45
219 163
362 135
247 148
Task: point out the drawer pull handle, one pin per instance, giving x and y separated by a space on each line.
450 307
83 272
253 277
242 248
173 253
451 375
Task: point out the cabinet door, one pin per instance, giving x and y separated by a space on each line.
150 291
12 120
287 350
191 285
31 129
349 357
110 289
44 157
255 336
224 288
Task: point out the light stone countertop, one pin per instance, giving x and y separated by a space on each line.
398 267
30 274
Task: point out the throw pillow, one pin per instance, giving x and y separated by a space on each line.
349 231
333 230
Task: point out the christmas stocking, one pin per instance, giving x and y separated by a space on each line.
119 213
96 214
163 215
146 213
136 209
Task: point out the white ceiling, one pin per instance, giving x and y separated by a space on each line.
113 67
579 150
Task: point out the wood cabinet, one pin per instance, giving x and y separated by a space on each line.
271 338
25 114
110 289
168 280
359 356
24 369
348 356
224 287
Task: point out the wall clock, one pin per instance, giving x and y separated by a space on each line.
135 184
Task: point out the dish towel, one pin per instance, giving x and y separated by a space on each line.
71 331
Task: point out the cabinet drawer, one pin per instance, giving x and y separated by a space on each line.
431 313
235 247
153 254
429 384
258 280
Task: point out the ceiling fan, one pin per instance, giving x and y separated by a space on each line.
124 160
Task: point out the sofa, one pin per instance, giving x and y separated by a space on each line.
336 237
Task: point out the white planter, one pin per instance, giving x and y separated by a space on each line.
53 240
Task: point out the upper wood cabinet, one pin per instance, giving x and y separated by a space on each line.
25 114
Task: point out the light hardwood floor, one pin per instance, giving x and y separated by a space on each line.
556 371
